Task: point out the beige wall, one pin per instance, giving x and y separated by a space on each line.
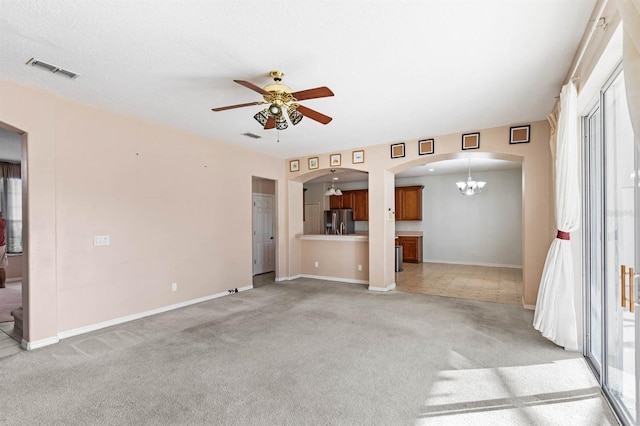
336 259
538 219
156 193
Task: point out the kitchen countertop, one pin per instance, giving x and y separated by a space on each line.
358 236
323 237
408 233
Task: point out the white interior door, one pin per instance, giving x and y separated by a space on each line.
264 248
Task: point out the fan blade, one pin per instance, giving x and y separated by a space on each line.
314 115
252 86
318 92
270 124
236 106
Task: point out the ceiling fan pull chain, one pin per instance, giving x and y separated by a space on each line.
278 130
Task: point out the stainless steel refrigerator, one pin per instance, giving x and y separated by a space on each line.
338 222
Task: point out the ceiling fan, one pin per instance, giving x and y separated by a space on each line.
281 98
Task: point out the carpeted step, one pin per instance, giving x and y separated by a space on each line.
17 318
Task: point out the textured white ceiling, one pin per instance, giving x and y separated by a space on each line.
400 70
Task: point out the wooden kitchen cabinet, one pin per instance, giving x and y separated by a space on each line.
357 200
344 201
411 249
409 202
361 204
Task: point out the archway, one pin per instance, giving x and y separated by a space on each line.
331 254
471 246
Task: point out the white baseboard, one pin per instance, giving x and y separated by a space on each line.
344 280
494 265
528 307
93 327
389 288
278 279
35 344
13 280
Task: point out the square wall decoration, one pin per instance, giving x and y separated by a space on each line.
471 141
397 150
335 160
294 165
425 146
313 163
520 134
357 157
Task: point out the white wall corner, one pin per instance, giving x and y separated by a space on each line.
36 344
383 289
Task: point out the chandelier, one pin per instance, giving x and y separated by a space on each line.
470 187
333 190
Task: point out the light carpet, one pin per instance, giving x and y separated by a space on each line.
308 352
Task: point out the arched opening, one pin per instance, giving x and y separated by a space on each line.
471 246
332 241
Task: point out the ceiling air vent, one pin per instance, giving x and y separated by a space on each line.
54 69
252 135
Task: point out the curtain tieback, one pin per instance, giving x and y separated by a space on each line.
562 235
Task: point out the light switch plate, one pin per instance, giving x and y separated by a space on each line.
101 240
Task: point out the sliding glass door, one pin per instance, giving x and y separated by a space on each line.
613 241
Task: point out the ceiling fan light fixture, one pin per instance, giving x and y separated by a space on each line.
294 115
281 122
262 117
275 109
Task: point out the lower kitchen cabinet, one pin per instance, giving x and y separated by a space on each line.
411 249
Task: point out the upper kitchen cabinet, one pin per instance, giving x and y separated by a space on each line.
358 200
344 201
361 204
409 202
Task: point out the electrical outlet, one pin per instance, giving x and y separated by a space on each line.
359 267
316 264
101 240
174 287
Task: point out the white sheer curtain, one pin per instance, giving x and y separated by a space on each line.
630 13
555 314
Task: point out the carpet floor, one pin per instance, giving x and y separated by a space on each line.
308 352
10 299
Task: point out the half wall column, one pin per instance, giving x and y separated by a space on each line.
381 230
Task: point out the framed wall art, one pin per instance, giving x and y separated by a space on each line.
397 150
519 134
357 157
294 165
335 160
471 141
313 163
425 146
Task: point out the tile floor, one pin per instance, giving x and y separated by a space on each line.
488 284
